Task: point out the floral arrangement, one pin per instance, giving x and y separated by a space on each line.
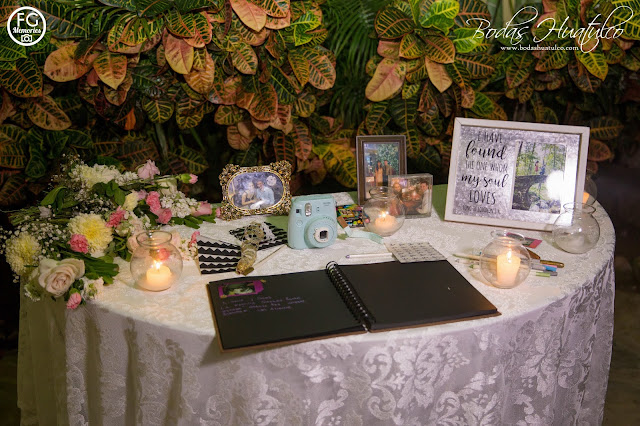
66 246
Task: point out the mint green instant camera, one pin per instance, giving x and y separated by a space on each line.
312 222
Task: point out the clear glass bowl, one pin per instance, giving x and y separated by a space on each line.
384 213
156 264
576 230
505 262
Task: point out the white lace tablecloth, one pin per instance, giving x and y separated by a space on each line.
135 357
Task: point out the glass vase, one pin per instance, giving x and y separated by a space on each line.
156 264
576 230
383 213
505 262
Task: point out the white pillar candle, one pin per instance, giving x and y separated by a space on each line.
158 277
508 267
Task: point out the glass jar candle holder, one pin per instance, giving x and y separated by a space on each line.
505 262
576 230
383 212
156 264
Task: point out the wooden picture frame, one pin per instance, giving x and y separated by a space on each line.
389 150
255 190
513 174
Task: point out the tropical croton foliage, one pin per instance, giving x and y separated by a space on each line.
194 83
125 80
432 66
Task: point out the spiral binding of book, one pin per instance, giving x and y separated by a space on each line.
349 295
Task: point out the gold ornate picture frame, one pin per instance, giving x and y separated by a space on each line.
248 191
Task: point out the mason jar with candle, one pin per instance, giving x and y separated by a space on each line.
156 264
505 262
383 212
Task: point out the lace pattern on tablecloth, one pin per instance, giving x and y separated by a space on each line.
135 357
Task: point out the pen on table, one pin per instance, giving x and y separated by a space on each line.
369 255
262 261
548 265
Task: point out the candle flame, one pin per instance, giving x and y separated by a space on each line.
509 256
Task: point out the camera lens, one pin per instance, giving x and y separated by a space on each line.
320 232
324 235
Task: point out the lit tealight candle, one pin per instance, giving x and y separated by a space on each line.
508 267
158 277
384 223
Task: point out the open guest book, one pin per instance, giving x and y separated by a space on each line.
276 309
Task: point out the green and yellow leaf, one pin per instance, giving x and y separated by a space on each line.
322 74
594 62
439 49
24 81
392 23
62 66
111 68
202 80
158 110
605 128
438 75
244 58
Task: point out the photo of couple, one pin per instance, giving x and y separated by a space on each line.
259 190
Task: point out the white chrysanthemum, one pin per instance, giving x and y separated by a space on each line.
89 176
95 229
130 201
22 251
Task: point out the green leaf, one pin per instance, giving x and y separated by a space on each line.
275 8
244 58
479 65
299 65
552 60
322 74
403 112
626 18
10 50
391 23
13 191
458 73
78 139
158 110
412 137
181 25
482 105
594 62
286 92
438 14
377 117
12 153
60 19
411 47
111 68
518 69
25 81
194 160
37 165
428 160
228 115
152 7
605 128
339 162
51 197
585 81
466 40
470 13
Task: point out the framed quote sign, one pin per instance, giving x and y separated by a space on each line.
514 174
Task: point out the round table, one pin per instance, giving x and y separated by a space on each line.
137 357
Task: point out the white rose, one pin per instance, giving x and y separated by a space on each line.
168 186
56 277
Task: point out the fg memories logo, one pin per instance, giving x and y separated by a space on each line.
26 26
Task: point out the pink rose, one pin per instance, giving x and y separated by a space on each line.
204 208
116 217
164 215
74 301
79 243
148 170
194 238
193 178
218 212
142 194
153 201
